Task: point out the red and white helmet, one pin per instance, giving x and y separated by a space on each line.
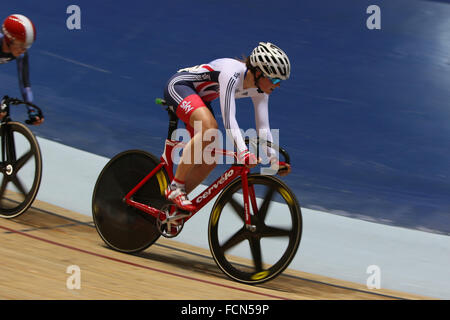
20 28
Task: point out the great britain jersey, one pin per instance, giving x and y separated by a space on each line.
22 70
223 79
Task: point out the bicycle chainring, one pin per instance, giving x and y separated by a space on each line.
170 225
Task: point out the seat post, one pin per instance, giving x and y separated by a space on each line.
173 122
173 119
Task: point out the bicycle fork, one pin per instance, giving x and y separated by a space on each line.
8 151
249 198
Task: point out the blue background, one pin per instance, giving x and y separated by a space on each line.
365 115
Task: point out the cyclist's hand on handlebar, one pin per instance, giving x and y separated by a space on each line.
282 167
248 158
34 118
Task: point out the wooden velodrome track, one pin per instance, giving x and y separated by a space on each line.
37 248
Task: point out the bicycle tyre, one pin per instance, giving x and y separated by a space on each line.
122 227
260 271
21 161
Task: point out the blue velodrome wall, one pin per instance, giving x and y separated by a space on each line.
365 114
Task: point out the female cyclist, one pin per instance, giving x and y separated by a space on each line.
17 35
192 89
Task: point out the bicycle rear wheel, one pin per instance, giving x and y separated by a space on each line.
21 169
122 227
271 245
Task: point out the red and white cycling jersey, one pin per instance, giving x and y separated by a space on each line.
223 79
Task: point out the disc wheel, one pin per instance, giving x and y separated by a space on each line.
270 244
122 227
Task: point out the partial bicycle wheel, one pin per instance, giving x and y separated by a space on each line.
274 240
122 227
21 169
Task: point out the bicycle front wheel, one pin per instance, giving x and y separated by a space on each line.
270 244
122 227
21 169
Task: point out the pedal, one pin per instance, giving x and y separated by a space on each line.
178 215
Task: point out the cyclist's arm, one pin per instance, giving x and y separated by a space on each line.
228 82
261 105
23 70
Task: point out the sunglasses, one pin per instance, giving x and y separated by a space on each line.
274 80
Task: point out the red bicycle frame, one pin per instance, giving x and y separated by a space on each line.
209 193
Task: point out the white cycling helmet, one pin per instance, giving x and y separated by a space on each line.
271 60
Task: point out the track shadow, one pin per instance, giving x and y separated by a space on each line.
283 283
184 262
36 219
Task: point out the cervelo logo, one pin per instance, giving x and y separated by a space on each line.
186 106
222 180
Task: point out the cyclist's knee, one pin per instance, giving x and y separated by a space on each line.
211 127
207 125
202 119
208 129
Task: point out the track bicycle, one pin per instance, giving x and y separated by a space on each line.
20 163
253 213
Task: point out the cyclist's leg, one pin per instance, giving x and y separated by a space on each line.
198 173
194 169
192 110
192 165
